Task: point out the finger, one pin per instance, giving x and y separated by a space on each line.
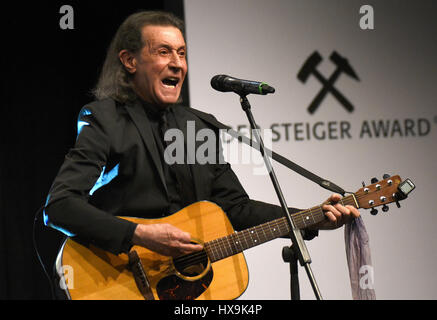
186 243
342 209
185 237
331 217
354 211
335 197
332 209
190 247
179 235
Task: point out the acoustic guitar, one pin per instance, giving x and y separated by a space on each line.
217 272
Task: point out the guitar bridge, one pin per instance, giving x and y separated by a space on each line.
140 277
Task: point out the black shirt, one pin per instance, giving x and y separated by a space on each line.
178 177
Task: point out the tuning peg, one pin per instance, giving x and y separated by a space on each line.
385 208
396 199
363 183
386 176
373 212
374 180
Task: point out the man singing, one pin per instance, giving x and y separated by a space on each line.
117 165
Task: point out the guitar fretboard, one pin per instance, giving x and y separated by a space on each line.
239 241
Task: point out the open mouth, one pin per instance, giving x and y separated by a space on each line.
170 82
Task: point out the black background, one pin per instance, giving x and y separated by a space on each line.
47 75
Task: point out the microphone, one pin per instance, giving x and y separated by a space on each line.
226 83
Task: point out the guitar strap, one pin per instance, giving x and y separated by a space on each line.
326 184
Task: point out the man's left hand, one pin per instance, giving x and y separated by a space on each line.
337 214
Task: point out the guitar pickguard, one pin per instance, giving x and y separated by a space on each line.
175 288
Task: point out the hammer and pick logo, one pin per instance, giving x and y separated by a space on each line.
320 129
310 68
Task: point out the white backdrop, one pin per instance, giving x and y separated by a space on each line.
395 62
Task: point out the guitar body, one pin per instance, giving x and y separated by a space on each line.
93 273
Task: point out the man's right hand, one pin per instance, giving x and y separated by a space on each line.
164 239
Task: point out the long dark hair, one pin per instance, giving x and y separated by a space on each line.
114 81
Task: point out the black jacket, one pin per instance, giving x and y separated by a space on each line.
114 169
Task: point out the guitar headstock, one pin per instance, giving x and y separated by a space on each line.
380 193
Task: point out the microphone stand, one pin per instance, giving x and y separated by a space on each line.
298 247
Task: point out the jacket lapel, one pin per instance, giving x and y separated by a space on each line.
142 123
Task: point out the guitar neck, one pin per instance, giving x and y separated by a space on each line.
239 241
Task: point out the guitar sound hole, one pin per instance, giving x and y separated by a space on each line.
176 288
192 264
193 279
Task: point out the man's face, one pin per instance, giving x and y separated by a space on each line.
161 65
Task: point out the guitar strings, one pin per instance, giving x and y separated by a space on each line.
213 247
220 243
220 246
216 246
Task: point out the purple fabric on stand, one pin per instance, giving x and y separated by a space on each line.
359 260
